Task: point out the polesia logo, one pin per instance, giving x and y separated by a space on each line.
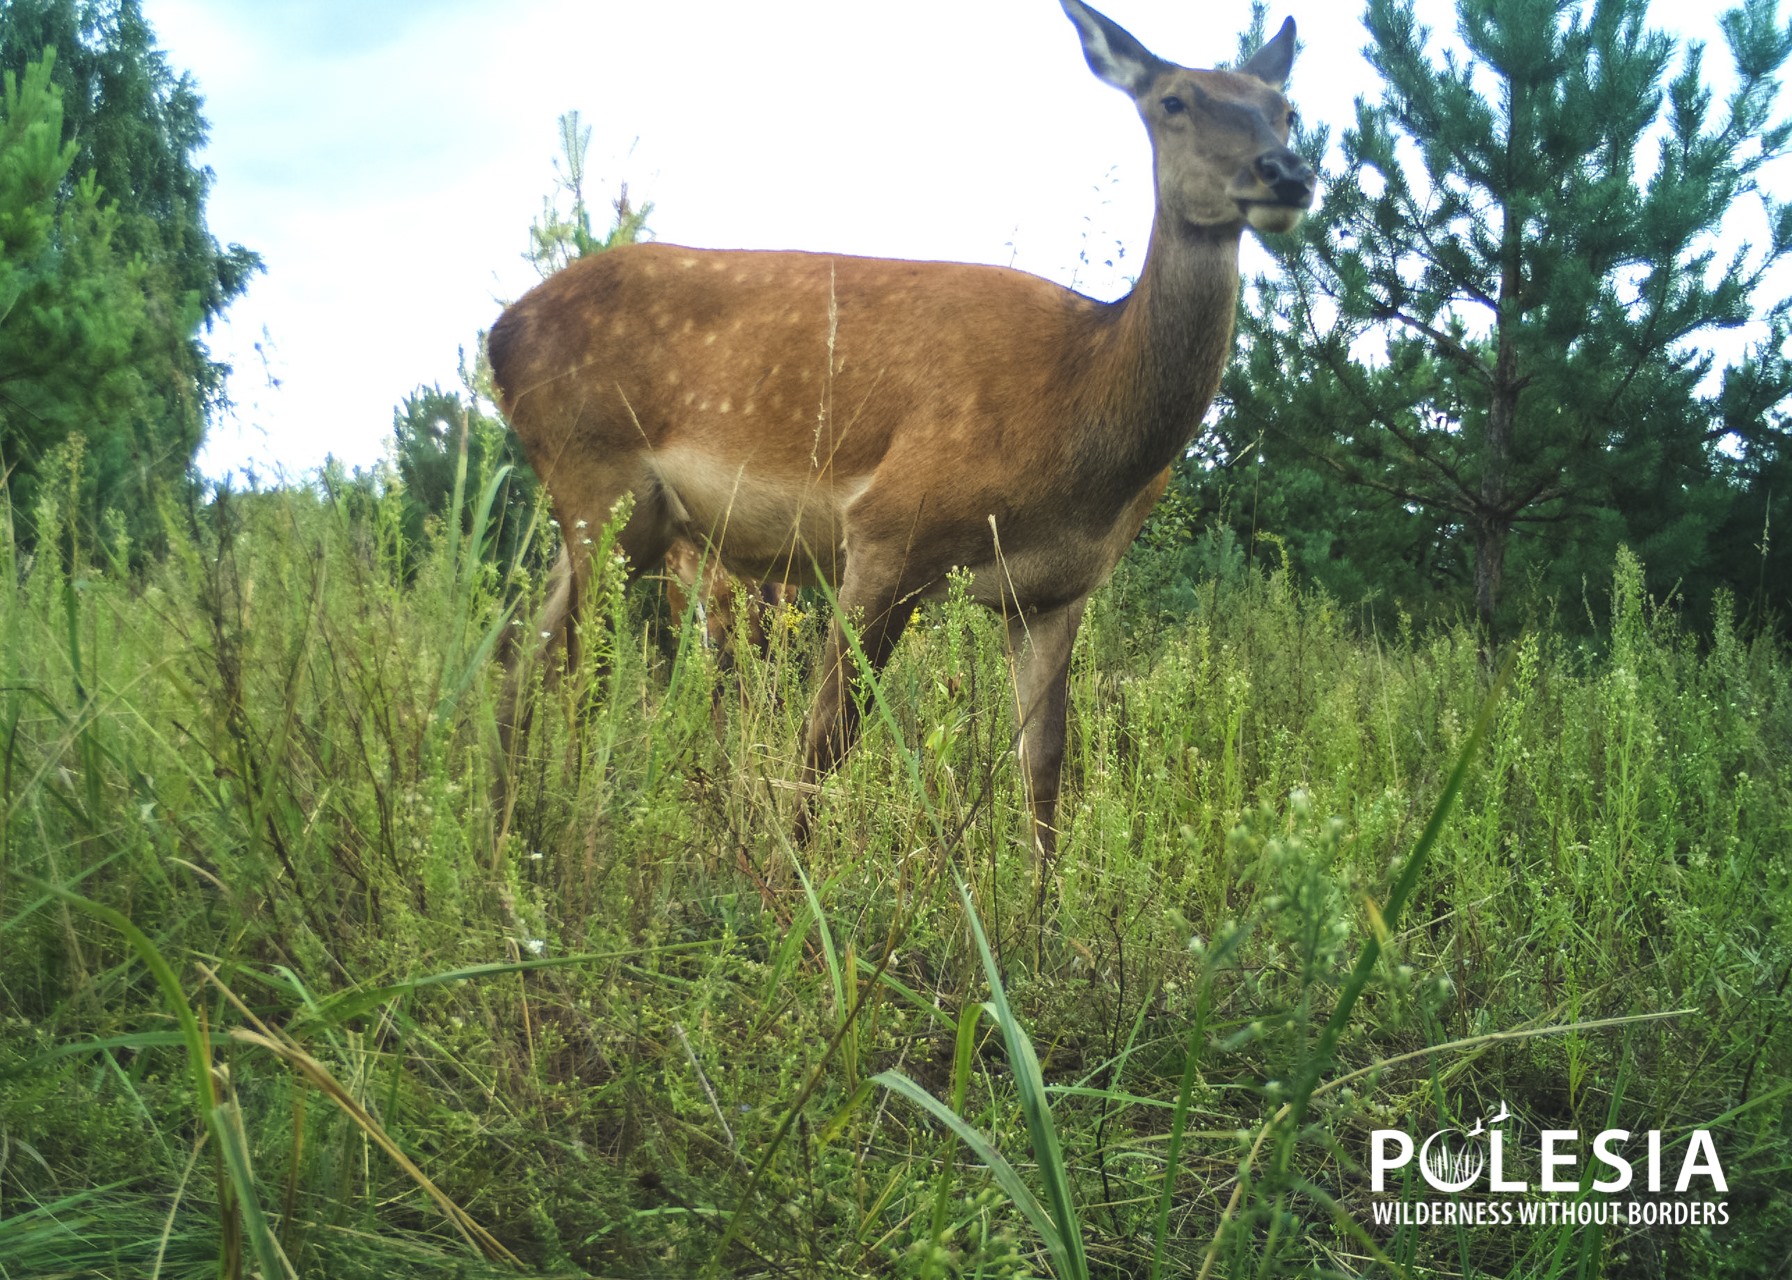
1452 1160
1482 1160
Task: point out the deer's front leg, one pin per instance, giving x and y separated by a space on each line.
1040 644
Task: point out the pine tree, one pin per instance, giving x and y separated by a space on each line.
1494 322
74 318
428 430
558 239
137 128
113 348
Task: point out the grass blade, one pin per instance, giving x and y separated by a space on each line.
1029 1082
1006 1176
227 1124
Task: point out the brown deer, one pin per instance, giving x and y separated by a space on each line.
874 424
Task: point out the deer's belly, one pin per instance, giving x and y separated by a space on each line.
759 526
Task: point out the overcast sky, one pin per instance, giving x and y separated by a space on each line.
386 157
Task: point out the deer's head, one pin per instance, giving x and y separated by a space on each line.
1219 138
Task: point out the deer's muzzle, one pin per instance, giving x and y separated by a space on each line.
1290 179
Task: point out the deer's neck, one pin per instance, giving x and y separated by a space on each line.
1167 347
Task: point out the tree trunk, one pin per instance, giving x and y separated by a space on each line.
1489 532
1493 520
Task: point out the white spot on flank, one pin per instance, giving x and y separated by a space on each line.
687 326
687 263
689 396
709 339
726 406
672 378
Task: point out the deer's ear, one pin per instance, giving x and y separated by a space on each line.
1113 54
1272 63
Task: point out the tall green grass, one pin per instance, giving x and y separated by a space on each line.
274 991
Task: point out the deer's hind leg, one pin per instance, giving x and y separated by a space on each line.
878 607
643 539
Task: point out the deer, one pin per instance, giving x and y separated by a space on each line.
873 425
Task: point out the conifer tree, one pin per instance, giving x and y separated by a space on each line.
129 278
74 319
557 239
137 127
1495 329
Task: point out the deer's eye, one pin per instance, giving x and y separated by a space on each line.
1293 117
1174 106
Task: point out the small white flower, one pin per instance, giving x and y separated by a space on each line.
579 524
547 635
536 946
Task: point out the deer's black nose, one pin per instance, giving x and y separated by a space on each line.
1286 174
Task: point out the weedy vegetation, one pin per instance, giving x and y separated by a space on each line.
282 992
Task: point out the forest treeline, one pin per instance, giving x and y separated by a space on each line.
1536 317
